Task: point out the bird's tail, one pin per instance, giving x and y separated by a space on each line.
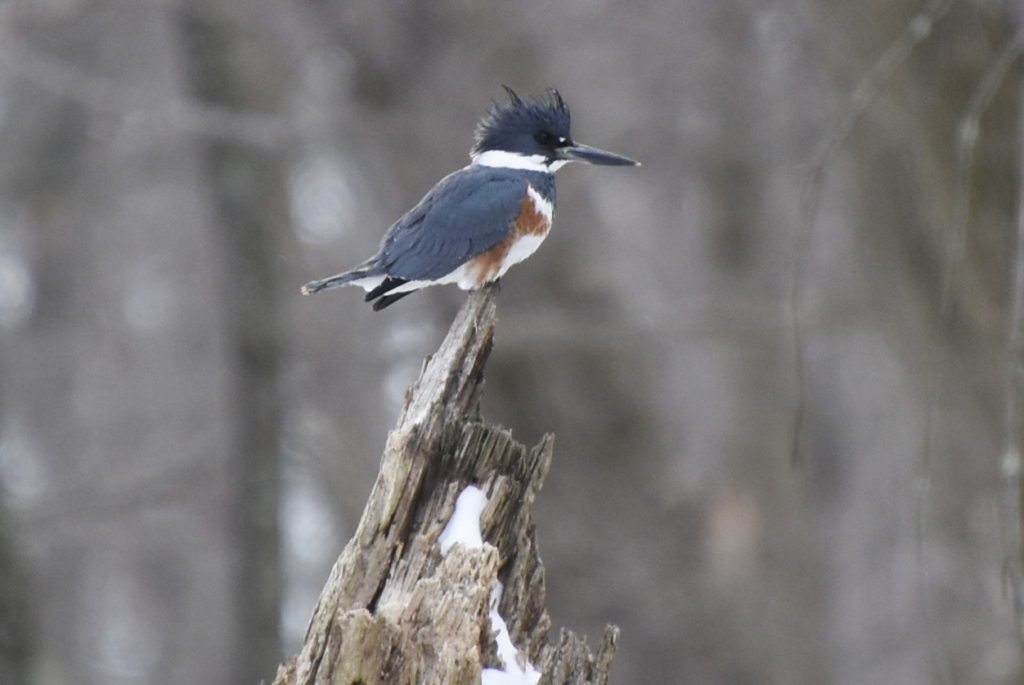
338 280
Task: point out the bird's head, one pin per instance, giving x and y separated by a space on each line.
534 135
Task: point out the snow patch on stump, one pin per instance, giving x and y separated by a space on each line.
464 528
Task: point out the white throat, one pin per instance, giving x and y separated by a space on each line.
512 160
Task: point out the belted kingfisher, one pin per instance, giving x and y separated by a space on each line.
480 220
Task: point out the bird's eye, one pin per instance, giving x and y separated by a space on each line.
548 139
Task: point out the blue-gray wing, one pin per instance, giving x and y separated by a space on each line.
468 212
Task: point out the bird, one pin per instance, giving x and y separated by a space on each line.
477 222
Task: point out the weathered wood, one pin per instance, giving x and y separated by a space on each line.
394 610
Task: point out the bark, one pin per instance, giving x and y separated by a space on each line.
395 610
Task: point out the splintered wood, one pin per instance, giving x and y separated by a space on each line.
394 609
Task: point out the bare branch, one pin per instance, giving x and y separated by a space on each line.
141 107
828 148
1013 490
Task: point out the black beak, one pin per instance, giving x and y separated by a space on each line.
591 155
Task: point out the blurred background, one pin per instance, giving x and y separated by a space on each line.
782 358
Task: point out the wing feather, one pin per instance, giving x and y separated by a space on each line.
468 212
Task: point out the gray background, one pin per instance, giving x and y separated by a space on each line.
825 226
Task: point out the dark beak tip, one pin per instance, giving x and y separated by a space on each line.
621 161
592 155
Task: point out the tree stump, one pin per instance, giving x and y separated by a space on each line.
397 610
